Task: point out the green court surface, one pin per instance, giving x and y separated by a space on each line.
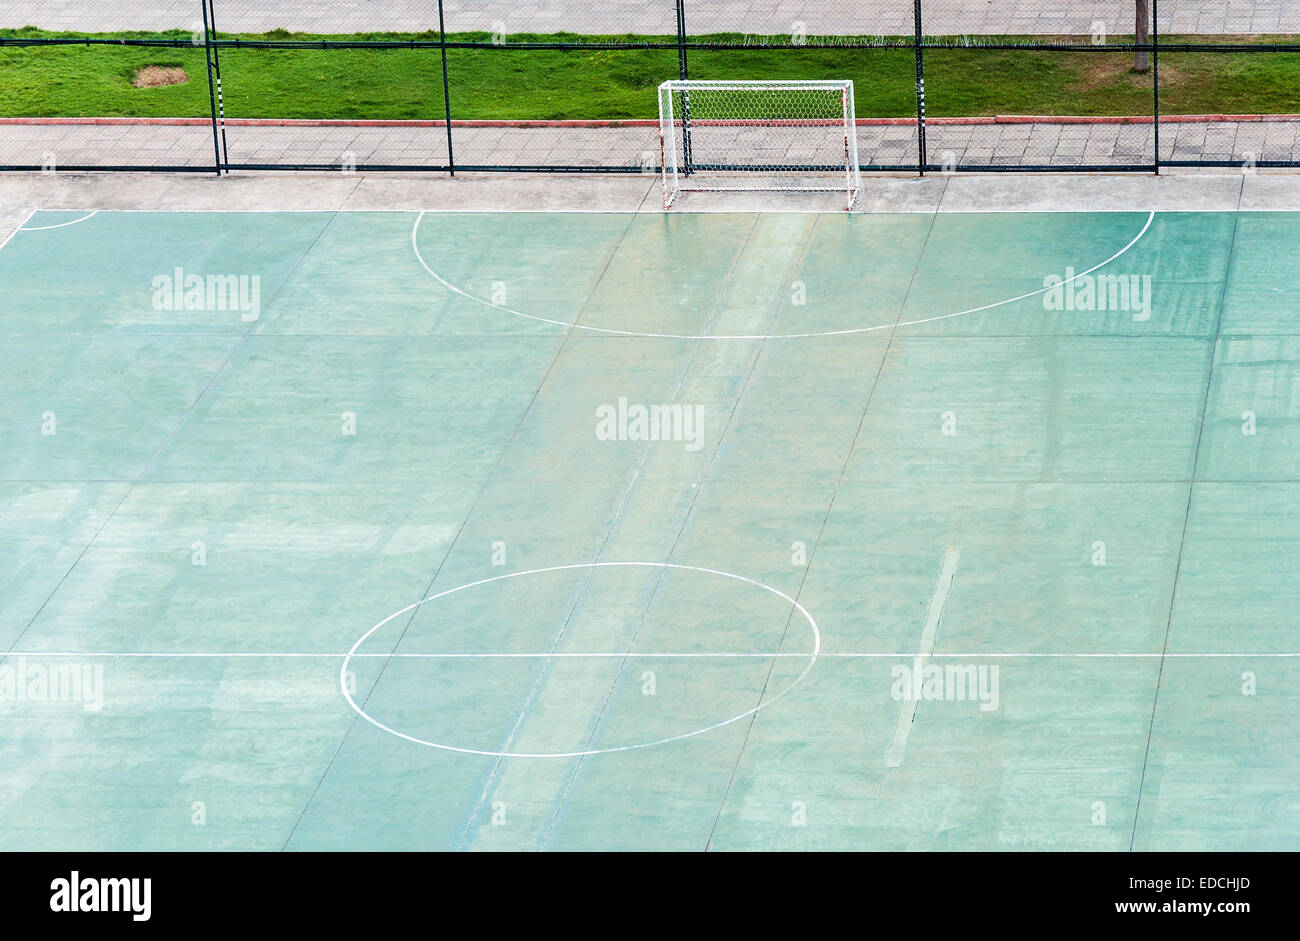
378 555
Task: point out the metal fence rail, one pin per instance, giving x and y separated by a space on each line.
918 55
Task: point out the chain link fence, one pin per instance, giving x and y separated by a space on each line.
567 85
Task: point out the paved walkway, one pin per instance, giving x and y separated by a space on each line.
1174 191
656 17
1010 144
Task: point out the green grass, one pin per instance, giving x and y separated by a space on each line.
513 84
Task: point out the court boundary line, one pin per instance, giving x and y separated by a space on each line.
574 325
560 211
1161 655
26 219
649 655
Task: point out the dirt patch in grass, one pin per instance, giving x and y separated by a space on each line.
158 76
1104 71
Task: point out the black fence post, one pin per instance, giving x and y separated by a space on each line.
212 93
446 87
221 103
1155 78
920 90
683 73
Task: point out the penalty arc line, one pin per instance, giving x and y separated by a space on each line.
415 230
44 228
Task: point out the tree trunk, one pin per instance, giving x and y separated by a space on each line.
1142 34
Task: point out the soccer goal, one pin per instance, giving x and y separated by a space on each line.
758 136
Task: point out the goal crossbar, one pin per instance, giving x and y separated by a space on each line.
758 136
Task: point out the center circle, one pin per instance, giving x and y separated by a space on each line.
764 702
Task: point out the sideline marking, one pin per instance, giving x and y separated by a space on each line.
755 336
26 219
929 636
649 655
561 211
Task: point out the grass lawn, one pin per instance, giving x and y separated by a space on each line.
515 84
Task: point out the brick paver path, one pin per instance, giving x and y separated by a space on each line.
1013 144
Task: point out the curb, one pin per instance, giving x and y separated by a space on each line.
861 122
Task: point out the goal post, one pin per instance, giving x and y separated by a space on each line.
758 136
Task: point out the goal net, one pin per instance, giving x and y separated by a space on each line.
758 136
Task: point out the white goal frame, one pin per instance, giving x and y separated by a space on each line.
821 149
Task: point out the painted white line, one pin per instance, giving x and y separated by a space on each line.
569 325
929 636
61 225
811 658
1068 209
620 654
27 219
